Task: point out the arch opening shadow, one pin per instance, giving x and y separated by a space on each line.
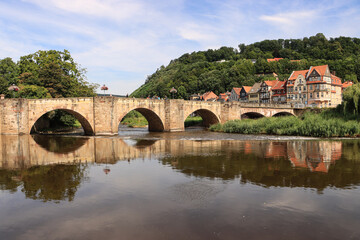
155 124
40 122
208 117
282 114
251 115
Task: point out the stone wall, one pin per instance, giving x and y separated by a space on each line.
102 115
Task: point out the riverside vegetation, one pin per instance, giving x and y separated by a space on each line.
342 121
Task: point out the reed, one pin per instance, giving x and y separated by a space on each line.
325 124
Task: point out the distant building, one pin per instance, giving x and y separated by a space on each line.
279 93
273 59
235 94
296 87
265 91
316 87
209 96
244 93
346 84
253 94
224 97
195 97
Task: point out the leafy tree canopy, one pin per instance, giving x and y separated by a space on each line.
45 74
222 69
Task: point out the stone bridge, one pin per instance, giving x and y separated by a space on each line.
102 115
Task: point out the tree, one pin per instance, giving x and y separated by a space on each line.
32 91
351 97
8 74
182 93
57 72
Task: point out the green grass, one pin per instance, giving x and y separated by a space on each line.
324 124
193 121
134 119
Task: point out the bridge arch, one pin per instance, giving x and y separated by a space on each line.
208 116
155 122
251 115
88 129
282 114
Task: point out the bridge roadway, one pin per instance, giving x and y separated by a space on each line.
102 115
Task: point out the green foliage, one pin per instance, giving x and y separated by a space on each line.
222 69
311 124
8 75
57 72
46 74
134 119
193 121
351 98
32 91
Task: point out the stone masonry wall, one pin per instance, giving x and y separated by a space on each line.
102 115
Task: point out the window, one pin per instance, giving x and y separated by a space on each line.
317 86
304 96
322 95
295 89
310 95
317 95
304 88
311 87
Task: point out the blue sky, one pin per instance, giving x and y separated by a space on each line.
120 42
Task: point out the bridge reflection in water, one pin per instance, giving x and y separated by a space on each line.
51 168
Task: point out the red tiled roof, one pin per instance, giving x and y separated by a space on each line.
209 95
280 85
347 84
320 69
271 83
247 88
335 80
295 74
237 90
273 59
223 96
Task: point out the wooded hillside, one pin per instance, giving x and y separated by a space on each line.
222 69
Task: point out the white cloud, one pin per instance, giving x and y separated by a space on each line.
291 21
115 9
138 36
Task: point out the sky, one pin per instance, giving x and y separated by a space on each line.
121 42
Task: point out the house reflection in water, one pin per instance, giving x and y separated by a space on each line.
316 156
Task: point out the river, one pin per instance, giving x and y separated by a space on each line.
187 185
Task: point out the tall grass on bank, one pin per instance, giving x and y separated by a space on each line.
310 124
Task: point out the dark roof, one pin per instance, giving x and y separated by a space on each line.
255 88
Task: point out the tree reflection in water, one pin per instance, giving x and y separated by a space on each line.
47 183
50 170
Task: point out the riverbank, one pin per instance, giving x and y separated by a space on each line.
325 124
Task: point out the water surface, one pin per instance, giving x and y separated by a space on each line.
190 185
